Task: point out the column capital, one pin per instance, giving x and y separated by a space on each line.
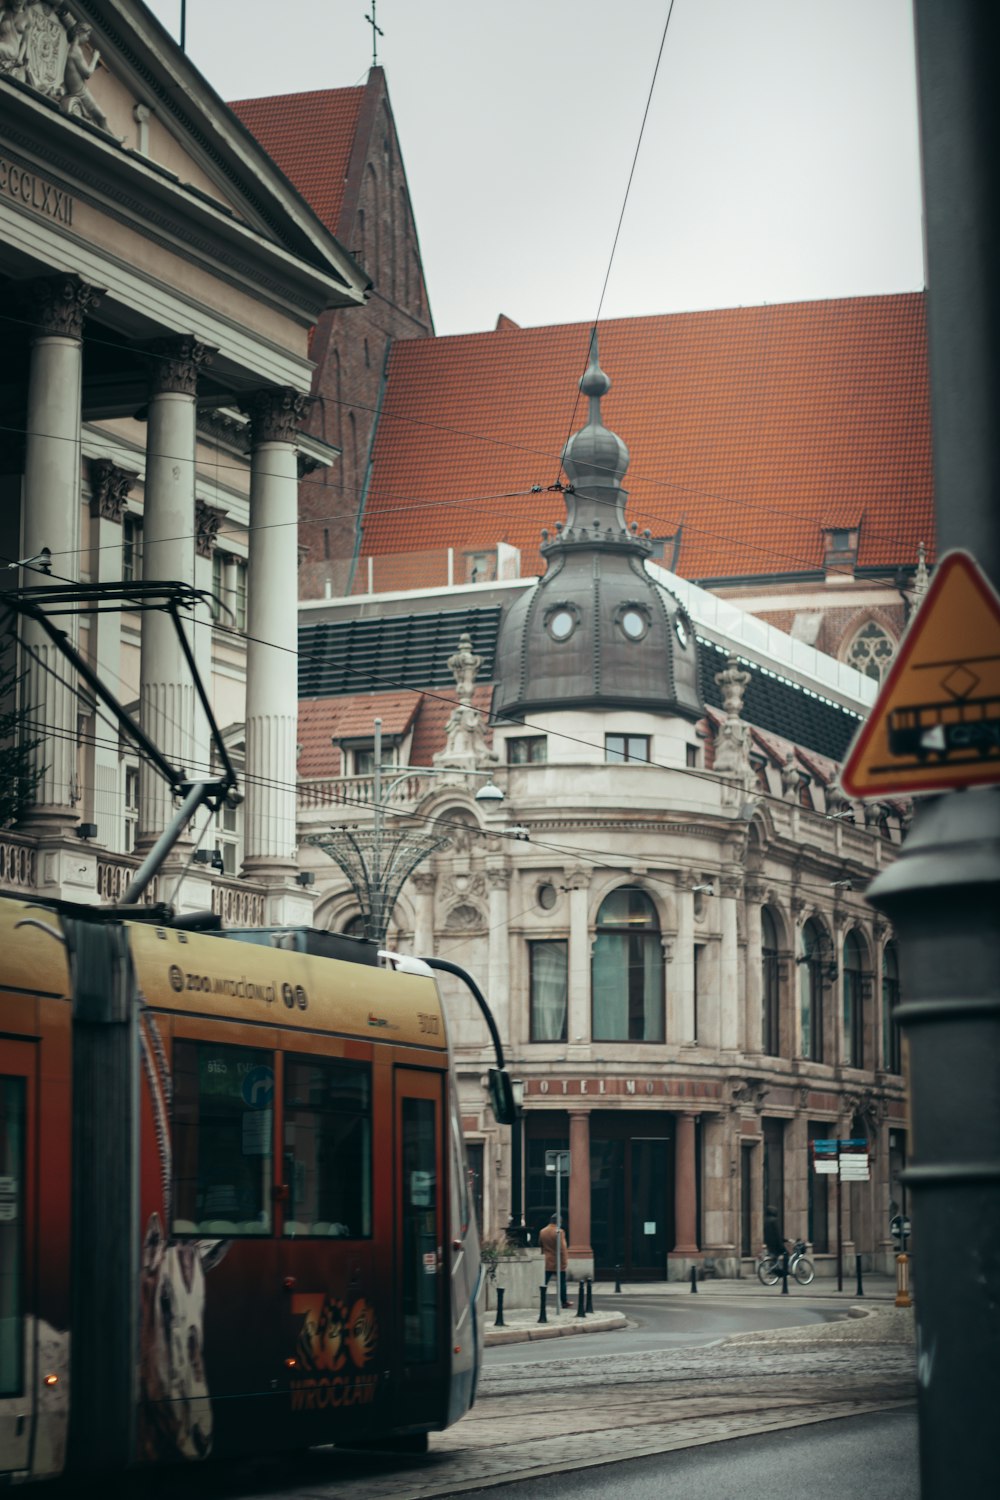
423 882
207 520
498 879
175 363
59 304
730 886
109 489
578 878
275 413
756 892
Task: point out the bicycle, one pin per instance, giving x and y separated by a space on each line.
799 1266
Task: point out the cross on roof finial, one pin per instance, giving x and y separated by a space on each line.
376 33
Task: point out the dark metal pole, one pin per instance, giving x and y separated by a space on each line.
840 1232
943 893
183 25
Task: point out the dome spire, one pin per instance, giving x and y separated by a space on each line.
595 459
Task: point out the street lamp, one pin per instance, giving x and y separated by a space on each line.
378 864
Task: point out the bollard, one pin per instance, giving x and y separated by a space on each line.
784 1275
499 1318
903 1281
857 1267
581 1302
590 1294
543 1297
694 1278
618 1278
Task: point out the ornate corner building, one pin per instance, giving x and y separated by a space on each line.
666 907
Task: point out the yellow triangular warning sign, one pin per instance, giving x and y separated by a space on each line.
936 721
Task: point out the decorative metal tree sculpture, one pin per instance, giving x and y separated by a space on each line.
377 864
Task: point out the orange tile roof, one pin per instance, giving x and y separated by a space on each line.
309 136
750 428
324 719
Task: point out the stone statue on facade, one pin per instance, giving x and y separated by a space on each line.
46 47
465 748
732 748
792 778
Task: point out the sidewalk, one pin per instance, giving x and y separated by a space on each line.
611 1309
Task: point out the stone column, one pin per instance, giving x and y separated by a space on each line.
680 995
720 1142
579 1250
578 1030
423 883
166 692
754 1036
498 962
685 1189
109 490
272 633
729 990
51 518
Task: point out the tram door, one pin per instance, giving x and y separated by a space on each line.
17 1216
423 1285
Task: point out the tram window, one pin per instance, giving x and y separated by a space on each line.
12 1113
223 1133
328 1148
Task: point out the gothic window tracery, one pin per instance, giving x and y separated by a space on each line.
871 650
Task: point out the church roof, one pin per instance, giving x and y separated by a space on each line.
310 136
751 430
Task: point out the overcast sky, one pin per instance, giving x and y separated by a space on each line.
779 160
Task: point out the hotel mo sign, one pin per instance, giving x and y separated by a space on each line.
936 721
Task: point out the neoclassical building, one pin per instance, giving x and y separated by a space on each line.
161 278
666 907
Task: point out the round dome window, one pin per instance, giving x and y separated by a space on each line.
562 624
681 630
635 624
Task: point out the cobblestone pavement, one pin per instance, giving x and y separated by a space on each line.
537 1419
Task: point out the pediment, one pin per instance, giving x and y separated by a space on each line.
114 73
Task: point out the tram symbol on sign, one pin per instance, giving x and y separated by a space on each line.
956 723
935 724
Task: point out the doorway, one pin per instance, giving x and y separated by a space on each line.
631 1198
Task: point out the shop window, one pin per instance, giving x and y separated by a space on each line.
327 1141
627 989
891 1039
810 963
223 1132
549 966
619 748
13 1118
817 1187
770 1009
854 1002
529 750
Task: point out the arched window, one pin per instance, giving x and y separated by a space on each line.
356 926
627 996
811 991
871 650
854 1002
892 1051
770 1042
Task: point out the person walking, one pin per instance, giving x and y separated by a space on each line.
774 1239
553 1242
